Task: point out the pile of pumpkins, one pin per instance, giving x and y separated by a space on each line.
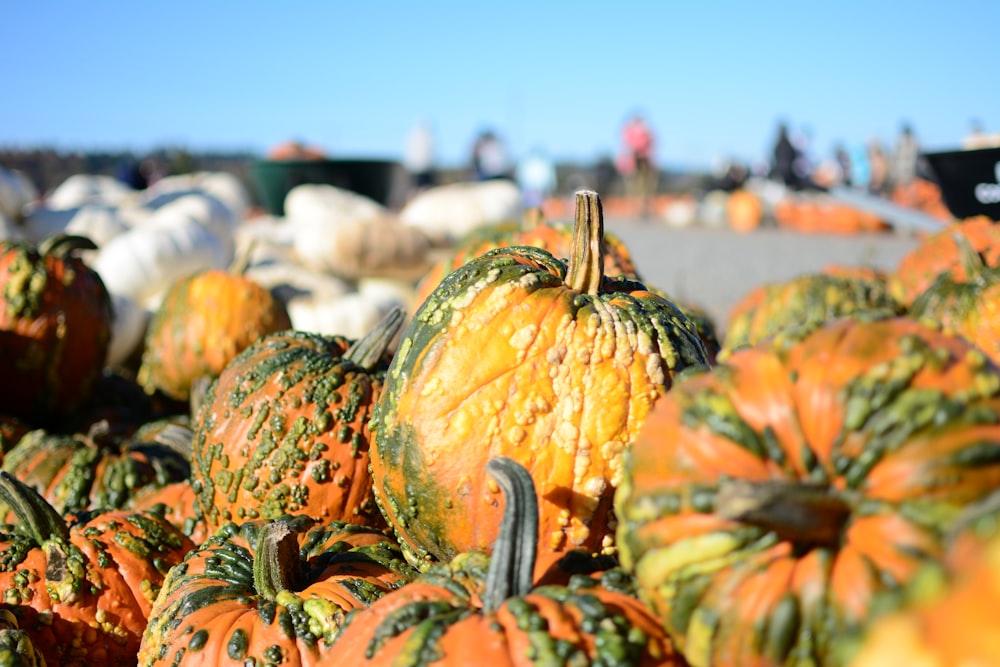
539 459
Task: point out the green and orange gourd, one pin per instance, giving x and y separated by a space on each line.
767 504
285 428
523 355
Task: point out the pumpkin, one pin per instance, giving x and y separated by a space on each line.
380 246
804 300
284 429
79 471
175 502
745 210
765 505
533 230
55 325
447 212
266 592
203 322
520 354
16 647
967 306
83 592
938 252
478 610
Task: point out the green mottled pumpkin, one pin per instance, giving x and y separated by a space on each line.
83 592
520 354
284 429
804 300
482 610
267 593
55 328
95 470
767 504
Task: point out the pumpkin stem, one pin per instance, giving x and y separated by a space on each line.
368 350
800 513
276 562
62 245
586 260
512 565
33 512
972 260
241 260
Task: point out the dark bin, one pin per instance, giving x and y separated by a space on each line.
969 181
274 178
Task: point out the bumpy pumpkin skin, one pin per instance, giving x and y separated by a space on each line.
212 612
90 605
284 430
505 358
55 328
204 321
765 504
805 300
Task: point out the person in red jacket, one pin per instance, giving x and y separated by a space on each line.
637 163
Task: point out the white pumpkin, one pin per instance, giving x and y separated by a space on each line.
128 328
447 212
314 210
226 188
16 192
180 238
351 315
289 280
98 222
80 189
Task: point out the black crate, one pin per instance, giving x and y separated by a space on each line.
969 180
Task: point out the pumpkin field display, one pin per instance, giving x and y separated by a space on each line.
269 593
804 300
532 230
520 354
55 326
83 591
766 504
284 429
203 322
481 610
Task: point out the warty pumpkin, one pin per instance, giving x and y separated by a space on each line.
284 429
766 504
269 592
55 327
203 322
481 610
94 470
83 591
520 354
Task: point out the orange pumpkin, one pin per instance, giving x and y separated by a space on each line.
766 504
519 354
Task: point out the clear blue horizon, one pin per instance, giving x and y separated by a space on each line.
713 78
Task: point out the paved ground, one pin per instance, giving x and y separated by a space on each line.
713 268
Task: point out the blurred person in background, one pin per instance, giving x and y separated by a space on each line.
878 168
536 176
905 155
489 157
636 161
784 157
419 158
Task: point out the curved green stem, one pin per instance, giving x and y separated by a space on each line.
512 565
368 350
277 566
586 260
33 512
972 260
61 245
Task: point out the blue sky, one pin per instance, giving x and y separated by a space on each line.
713 78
